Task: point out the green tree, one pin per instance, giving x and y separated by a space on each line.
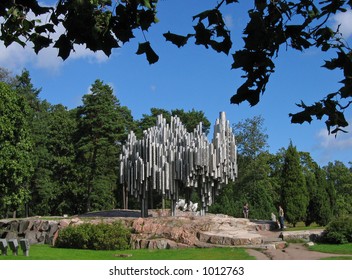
100 129
294 193
272 26
189 119
54 184
15 151
148 121
251 137
320 208
192 118
340 177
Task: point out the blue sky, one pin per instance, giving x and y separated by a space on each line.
194 77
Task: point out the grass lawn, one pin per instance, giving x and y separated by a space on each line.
302 226
335 249
46 252
342 249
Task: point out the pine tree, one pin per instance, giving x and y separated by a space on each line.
294 194
101 129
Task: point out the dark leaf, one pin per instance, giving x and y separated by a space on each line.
34 6
244 93
336 130
145 48
202 15
177 40
40 42
346 90
301 117
64 45
44 28
203 35
146 19
215 18
223 46
108 44
260 4
331 65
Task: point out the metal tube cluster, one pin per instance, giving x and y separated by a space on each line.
169 159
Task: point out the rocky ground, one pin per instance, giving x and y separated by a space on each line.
161 231
263 240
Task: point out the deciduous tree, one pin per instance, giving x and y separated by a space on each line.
15 151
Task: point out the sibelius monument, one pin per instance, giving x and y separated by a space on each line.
171 161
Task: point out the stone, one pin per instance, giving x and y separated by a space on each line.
75 221
64 223
44 226
23 226
24 243
14 226
37 224
55 237
53 228
13 244
280 245
41 236
3 247
10 235
31 236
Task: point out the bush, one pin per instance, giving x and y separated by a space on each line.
339 231
101 236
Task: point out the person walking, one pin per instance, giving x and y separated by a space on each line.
245 211
281 217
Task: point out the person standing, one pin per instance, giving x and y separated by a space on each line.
245 211
281 217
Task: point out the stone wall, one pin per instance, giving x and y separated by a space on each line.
36 230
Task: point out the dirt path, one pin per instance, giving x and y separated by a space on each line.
292 252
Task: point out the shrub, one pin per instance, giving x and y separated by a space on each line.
101 236
339 231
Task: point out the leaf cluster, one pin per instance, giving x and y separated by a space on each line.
272 25
339 231
104 25
99 25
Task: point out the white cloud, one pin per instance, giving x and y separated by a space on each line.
153 88
229 21
344 20
341 142
329 147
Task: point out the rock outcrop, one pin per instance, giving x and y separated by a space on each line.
161 232
36 230
198 231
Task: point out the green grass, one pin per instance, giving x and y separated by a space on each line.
341 249
46 252
302 226
334 249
